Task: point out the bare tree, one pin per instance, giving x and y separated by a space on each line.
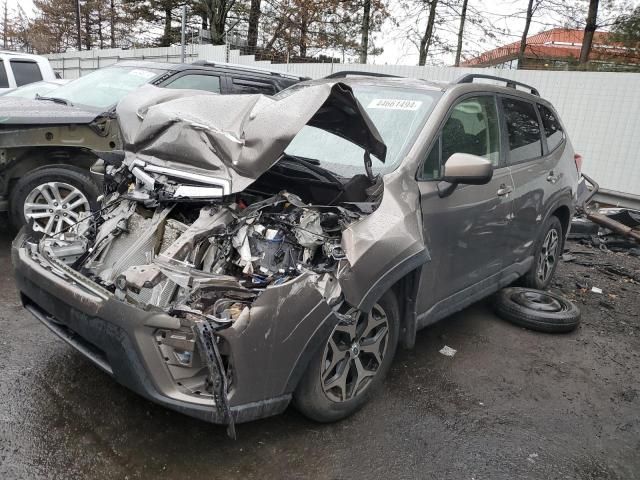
463 18
425 41
254 20
364 41
589 31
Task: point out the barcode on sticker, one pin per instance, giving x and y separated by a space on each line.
395 104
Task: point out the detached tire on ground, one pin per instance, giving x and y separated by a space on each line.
54 197
537 310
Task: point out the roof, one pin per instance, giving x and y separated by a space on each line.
558 43
204 65
10 53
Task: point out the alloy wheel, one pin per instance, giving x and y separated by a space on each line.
354 354
548 255
55 205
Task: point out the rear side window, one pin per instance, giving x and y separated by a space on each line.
4 81
552 128
209 83
523 129
25 72
241 85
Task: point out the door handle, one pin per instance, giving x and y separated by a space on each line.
504 190
552 177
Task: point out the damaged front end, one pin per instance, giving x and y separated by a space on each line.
250 279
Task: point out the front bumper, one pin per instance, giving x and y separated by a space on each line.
269 352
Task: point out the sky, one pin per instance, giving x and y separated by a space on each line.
503 16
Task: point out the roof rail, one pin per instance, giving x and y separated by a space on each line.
346 73
251 68
470 77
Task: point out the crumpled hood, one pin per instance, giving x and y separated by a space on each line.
26 111
236 137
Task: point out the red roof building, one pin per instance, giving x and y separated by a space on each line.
559 49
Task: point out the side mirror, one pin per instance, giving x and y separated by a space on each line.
467 169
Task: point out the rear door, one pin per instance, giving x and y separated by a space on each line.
534 168
469 231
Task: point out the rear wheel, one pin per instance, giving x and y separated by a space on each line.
54 198
344 374
548 251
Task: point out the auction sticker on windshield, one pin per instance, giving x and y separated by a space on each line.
395 104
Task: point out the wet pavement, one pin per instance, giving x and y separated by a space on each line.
510 404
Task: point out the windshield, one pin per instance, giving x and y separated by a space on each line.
398 114
105 87
30 91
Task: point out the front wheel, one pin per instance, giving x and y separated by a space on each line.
356 357
547 256
53 198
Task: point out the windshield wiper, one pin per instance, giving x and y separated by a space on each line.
55 100
314 166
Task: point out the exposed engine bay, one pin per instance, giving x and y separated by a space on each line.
205 261
210 222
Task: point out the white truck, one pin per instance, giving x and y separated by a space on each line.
17 69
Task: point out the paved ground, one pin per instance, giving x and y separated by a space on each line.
510 404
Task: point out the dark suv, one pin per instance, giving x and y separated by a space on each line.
48 145
255 252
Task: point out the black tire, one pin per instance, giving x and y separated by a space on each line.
310 398
68 174
537 310
531 279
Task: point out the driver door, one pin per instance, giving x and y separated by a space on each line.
468 232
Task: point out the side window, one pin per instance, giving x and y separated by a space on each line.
552 128
4 81
472 127
25 72
209 83
240 85
523 129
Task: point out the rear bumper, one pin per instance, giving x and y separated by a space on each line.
118 338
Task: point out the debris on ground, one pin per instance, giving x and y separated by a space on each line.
616 229
596 290
448 351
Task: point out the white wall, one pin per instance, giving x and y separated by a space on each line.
600 110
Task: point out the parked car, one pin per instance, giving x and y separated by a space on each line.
18 69
35 89
253 251
48 144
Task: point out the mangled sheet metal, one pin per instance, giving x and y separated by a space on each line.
250 265
236 138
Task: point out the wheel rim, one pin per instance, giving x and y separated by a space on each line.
55 205
538 301
548 255
354 354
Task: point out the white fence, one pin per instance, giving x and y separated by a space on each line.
600 110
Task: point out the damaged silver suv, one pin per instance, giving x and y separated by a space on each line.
253 251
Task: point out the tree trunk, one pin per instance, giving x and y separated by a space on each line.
304 32
166 36
463 18
425 41
112 23
366 21
254 20
79 36
100 36
525 34
6 24
87 28
589 31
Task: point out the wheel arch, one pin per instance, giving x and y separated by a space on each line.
36 158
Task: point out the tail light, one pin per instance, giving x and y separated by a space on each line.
578 159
